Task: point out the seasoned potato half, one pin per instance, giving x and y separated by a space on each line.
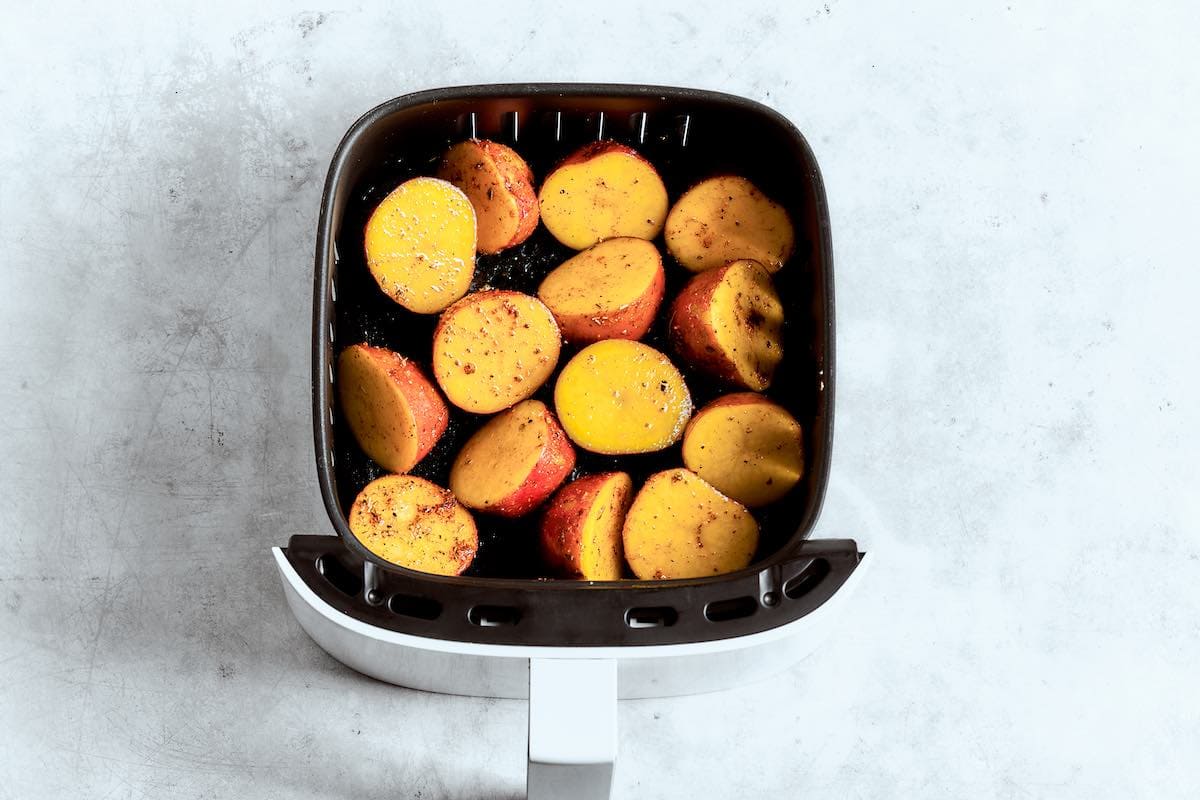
493 349
612 290
499 185
680 527
616 397
394 411
601 191
581 529
727 218
420 244
414 523
747 447
729 323
514 462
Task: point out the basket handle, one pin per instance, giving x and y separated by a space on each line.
572 728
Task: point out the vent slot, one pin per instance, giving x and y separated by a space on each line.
733 608
340 578
411 605
493 616
807 580
651 617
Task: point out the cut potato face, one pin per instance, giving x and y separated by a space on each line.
514 462
420 244
581 530
729 323
747 447
394 412
612 290
727 218
681 527
493 349
602 191
414 523
499 185
616 397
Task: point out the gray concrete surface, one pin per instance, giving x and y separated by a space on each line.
1013 197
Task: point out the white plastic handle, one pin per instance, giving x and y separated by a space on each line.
572 728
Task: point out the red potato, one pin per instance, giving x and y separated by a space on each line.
748 447
414 523
393 410
681 527
581 529
499 185
612 290
601 191
514 462
493 349
420 244
727 218
729 323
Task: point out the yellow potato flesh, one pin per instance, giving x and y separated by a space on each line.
750 451
377 411
601 279
680 527
497 460
727 218
747 317
414 523
617 397
420 244
612 194
600 543
494 349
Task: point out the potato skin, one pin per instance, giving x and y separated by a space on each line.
693 333
428 415
564 523
480 168
628 321
756 465
414 523
551 466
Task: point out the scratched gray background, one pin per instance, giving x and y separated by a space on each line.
1013 190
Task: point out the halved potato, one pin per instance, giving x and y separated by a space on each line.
616 397
729 323
414 523
581 530
601 191
514 462
609 291
727 218
499 185
420 244
680 527
394 412
493 349
747 447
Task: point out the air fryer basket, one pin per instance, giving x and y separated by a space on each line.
688 135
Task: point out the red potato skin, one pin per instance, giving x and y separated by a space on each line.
518 180
590 151
424 401
629 322
738 399
556 463
691 336
562 523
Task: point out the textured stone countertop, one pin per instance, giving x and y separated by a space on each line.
1013 197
